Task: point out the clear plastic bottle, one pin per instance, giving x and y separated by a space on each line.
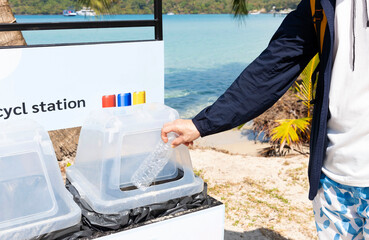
153 164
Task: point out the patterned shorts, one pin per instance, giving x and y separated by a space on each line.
341 212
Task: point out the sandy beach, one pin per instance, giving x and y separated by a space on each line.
265 198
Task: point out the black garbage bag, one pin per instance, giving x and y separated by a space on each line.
104 222
94 225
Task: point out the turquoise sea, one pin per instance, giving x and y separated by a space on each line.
203 53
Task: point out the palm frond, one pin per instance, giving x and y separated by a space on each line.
289 131
295 131
305 88
239 8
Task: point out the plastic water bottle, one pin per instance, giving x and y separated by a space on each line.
153 164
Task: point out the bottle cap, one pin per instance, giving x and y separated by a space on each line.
124 99
139 97
108 101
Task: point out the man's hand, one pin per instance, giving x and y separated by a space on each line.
185 129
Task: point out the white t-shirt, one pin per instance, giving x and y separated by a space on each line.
347 158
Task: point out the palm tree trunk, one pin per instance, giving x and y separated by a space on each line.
6 16
65 141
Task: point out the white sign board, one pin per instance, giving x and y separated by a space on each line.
59 85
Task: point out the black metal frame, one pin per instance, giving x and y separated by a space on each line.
157 23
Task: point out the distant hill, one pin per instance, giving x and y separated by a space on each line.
146 6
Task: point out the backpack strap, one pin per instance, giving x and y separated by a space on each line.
320 24
320 21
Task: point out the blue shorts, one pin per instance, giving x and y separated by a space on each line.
341 212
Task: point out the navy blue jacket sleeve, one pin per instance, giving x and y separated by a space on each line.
267 78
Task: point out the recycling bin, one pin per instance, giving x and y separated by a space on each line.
113 144
33 199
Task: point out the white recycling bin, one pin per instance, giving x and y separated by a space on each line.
33 199
113 144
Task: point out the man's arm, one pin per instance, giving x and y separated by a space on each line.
267 78
260 85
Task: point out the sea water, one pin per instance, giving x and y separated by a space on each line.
204 54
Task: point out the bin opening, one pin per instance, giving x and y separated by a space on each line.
180 174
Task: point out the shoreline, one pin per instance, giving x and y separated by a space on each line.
241 142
